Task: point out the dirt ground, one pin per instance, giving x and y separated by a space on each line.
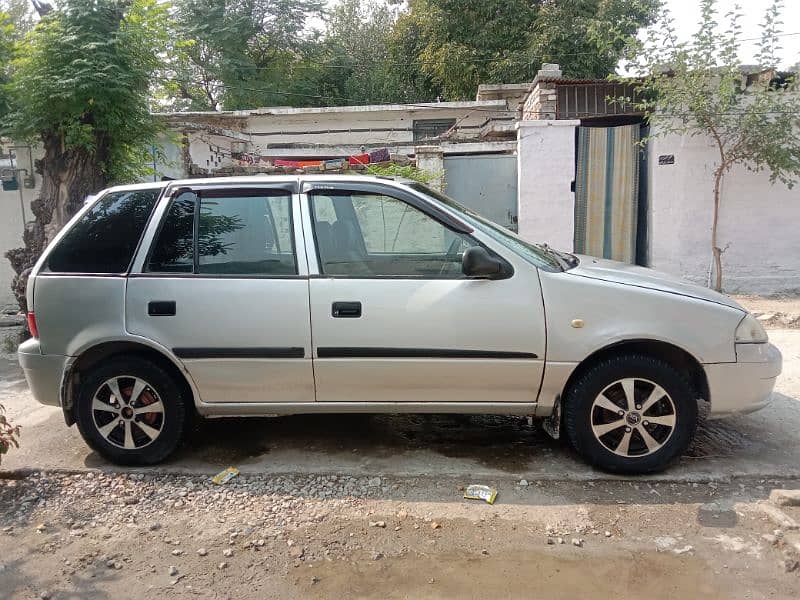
150 536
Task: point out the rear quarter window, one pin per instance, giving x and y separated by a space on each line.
105 238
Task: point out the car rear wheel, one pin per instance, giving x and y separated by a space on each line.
630 414
130 411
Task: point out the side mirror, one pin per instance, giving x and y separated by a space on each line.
478 263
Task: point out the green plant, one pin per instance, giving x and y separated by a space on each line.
404 171
8 434
700 88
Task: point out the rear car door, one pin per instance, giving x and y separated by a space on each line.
395 320
224 286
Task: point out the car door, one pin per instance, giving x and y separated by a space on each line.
393 317
224 287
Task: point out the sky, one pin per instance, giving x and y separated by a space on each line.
687 14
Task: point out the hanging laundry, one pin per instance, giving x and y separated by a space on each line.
380 155
359 159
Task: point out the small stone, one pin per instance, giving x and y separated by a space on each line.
377 555
45 595
380 524
110 564
684 550
577 542
790 565
562 540
227 553
296 552
523 483
314 580
402 515
202 552
173 570
154 526
550 541
117 565
374 482
177 552
222 565
431 580
129 500
436 525
484 552
607 533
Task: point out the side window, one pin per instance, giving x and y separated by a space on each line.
373 235
249 235
105 238
172 250
246 236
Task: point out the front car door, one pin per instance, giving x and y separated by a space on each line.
224 287
393 317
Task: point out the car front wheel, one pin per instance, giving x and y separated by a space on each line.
630 414
130 411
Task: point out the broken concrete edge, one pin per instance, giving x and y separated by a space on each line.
785 497
778 517
778 320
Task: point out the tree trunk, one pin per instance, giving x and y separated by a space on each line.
67 178
716 251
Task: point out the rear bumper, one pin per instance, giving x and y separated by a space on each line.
44 372
746 385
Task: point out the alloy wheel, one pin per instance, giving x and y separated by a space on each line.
128 412
633 417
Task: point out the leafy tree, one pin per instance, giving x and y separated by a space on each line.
231 54
361 30
699 89
459 44
78 85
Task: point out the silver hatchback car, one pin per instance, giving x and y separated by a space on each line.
277 295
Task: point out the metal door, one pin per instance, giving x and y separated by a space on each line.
243 336
387 338
486 183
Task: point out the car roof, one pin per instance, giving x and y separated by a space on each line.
255 179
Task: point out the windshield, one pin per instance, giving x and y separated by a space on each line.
539 255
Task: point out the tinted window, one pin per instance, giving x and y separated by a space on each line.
105 238
249 235
246 236
365 235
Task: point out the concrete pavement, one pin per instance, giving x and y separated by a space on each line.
764 444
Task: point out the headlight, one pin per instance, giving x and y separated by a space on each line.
750 331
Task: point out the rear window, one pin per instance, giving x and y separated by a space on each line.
105 238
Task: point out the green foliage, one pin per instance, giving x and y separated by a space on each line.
701 88
458 44
8 434
6 54
404 171
82 75
236 54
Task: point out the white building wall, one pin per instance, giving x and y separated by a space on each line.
545 170
11 226
759 221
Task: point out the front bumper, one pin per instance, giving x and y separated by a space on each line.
44 372
746 385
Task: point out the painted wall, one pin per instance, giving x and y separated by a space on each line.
759 221
333 131
11 226
545 170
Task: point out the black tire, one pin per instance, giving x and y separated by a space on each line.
578 414
161 386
